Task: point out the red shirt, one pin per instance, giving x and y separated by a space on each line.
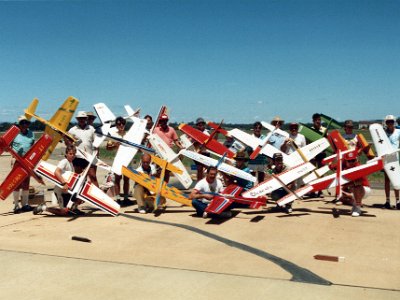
169 136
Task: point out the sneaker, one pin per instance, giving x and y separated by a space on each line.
142 210
356 212
205 215
226 214
126 202
17 210
320 194
26 208
387 205
398 205
289 209
39 209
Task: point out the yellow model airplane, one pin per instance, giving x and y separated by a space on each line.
157 185
55 127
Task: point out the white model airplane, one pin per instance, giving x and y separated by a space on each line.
279 180
79 186
223 167
389 155
134 136
166 153
332 180
308 152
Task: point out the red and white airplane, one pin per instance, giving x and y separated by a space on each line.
207 141
332 180
231 194
23 166
79 186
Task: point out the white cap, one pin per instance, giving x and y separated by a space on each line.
390 118
81 114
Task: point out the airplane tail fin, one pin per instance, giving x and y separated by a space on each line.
365 146
217 127
380 139
31 109
131 112
214 133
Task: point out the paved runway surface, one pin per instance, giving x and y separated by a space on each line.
175 255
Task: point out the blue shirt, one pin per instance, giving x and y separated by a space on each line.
23 142
245 184
394 138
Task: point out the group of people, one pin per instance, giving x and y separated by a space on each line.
209 183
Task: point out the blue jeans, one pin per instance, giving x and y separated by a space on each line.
199 206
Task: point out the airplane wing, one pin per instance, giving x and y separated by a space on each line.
293 196
347 175
337 141
275 130
272 183
35 153
316 174
13 180
151 183
205 140
223 167
308 152
88 193
63 115
169 155
385 150
125 154
104 113
254 143
330 122
95 196
7 138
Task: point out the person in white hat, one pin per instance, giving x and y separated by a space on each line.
84 134
21 145
394 138
277 140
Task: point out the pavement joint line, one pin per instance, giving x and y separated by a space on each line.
187 270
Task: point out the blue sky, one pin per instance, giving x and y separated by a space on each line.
239 61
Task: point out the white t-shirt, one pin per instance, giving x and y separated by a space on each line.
86 136
300 141
203 186
65 166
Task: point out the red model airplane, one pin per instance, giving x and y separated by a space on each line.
232 194
332 180
207 141
23 166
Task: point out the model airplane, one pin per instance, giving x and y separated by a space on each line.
308 152
389 155
152 184
223 167
231 194
55 127
132 139
79 186
166 153
331 181
279 180
339 143
23 166
205 140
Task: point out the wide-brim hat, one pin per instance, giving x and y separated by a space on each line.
90 114
81 114
22 119
277 119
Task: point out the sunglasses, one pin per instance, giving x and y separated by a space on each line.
390 122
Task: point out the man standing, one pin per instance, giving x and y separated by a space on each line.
167 133
21 144
394 138
202 193
259 164
295 140
201 126
84 134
